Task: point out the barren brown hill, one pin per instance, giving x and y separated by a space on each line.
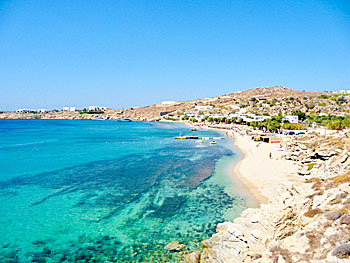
262 100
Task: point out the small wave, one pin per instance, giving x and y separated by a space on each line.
27 144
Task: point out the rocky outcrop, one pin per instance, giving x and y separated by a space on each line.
193 257
310 222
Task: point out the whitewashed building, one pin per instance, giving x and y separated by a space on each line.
69 109
95 108
204 108
22 110
292 119
43 110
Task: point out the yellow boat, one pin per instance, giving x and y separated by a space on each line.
180 138
213 142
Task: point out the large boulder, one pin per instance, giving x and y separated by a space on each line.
193 257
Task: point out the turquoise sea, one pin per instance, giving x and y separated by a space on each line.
106 191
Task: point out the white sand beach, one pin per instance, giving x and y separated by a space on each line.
256 175
260 173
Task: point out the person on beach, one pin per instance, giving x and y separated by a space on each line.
270 155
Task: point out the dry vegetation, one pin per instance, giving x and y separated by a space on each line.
263 100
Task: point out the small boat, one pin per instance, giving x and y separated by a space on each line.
191 137
186 137
99 119
124 120
213 142
194 129
180 138
200 141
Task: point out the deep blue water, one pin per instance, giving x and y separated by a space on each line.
105 191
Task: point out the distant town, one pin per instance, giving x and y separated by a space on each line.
71 109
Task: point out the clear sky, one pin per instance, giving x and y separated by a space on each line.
131 53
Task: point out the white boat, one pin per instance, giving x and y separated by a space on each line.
99 119
124 120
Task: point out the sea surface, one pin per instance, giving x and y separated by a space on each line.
106 191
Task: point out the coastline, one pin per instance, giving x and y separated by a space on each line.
260 173
302 194
251 174
241 186
303 190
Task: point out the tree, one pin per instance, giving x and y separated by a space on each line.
273 125
277 118
301 115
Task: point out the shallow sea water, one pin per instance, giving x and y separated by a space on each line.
105 191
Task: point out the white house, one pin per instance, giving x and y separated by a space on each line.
259 118
22 110
204 108
292 119
252 117
42 110
95 108
69 109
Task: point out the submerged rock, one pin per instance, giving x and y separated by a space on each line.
175 246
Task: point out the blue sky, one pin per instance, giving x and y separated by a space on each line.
133 53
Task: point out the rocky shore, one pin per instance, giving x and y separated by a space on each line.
306 220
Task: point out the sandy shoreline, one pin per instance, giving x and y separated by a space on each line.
255 176
260 173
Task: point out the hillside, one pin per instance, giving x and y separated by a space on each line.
262 100
268 100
